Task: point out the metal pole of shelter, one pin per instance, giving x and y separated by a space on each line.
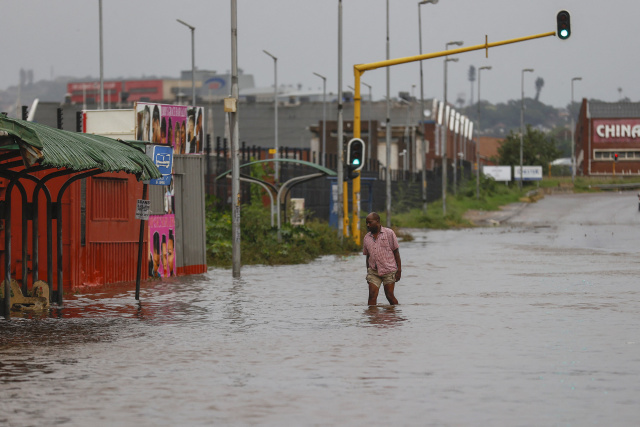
140 245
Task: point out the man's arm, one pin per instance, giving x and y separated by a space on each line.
396 255
367 262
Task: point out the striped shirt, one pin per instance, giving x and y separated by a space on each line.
380 250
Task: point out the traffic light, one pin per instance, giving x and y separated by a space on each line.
564 24
615 157
355 157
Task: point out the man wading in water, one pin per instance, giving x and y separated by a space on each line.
380 245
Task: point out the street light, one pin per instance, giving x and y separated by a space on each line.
488 67
424 161
388 129
275 100
573 144
369 132
444 130
324 119
369 126
526 70
193 60
101 58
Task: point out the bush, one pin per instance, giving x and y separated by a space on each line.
259 241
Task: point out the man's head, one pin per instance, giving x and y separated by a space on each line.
373 222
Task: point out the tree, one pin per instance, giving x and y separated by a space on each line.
538 149
539 86
472 78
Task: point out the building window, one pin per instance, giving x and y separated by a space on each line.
608 155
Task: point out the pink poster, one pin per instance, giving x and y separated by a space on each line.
180 126
162 256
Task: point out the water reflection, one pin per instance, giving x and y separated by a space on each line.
384 316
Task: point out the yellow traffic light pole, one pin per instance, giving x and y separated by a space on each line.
358 71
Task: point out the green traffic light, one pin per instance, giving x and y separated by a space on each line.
356 161
563 20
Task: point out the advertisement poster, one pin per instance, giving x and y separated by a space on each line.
179 126
162 257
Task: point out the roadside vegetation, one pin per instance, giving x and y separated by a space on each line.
259 241
301 244
492 195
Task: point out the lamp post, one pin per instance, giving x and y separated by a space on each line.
488 67
235 138
573 143
370 109
275 100
101 58
193 60
444 130
424 151
526 70
340 184
369 128
324 119
388 130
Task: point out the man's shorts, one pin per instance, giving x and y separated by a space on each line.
373 277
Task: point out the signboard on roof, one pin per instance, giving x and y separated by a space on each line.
616 130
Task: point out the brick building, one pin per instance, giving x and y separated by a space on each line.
604 130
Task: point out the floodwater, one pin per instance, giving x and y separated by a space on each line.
533 323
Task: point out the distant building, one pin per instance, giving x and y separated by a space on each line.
607 138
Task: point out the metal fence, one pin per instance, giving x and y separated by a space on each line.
406 187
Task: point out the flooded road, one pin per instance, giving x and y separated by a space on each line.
532 323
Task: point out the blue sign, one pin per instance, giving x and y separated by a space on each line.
162 156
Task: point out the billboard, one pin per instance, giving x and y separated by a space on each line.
162 256
529 173
180 126
498 173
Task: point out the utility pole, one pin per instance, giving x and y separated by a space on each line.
235 156
339 144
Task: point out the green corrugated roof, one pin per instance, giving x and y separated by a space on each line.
78 151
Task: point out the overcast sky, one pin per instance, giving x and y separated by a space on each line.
142 38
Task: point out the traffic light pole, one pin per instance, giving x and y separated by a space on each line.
359 69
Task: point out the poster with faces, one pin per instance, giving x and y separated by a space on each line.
180 126
162 256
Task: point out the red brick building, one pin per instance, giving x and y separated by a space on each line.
604 130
